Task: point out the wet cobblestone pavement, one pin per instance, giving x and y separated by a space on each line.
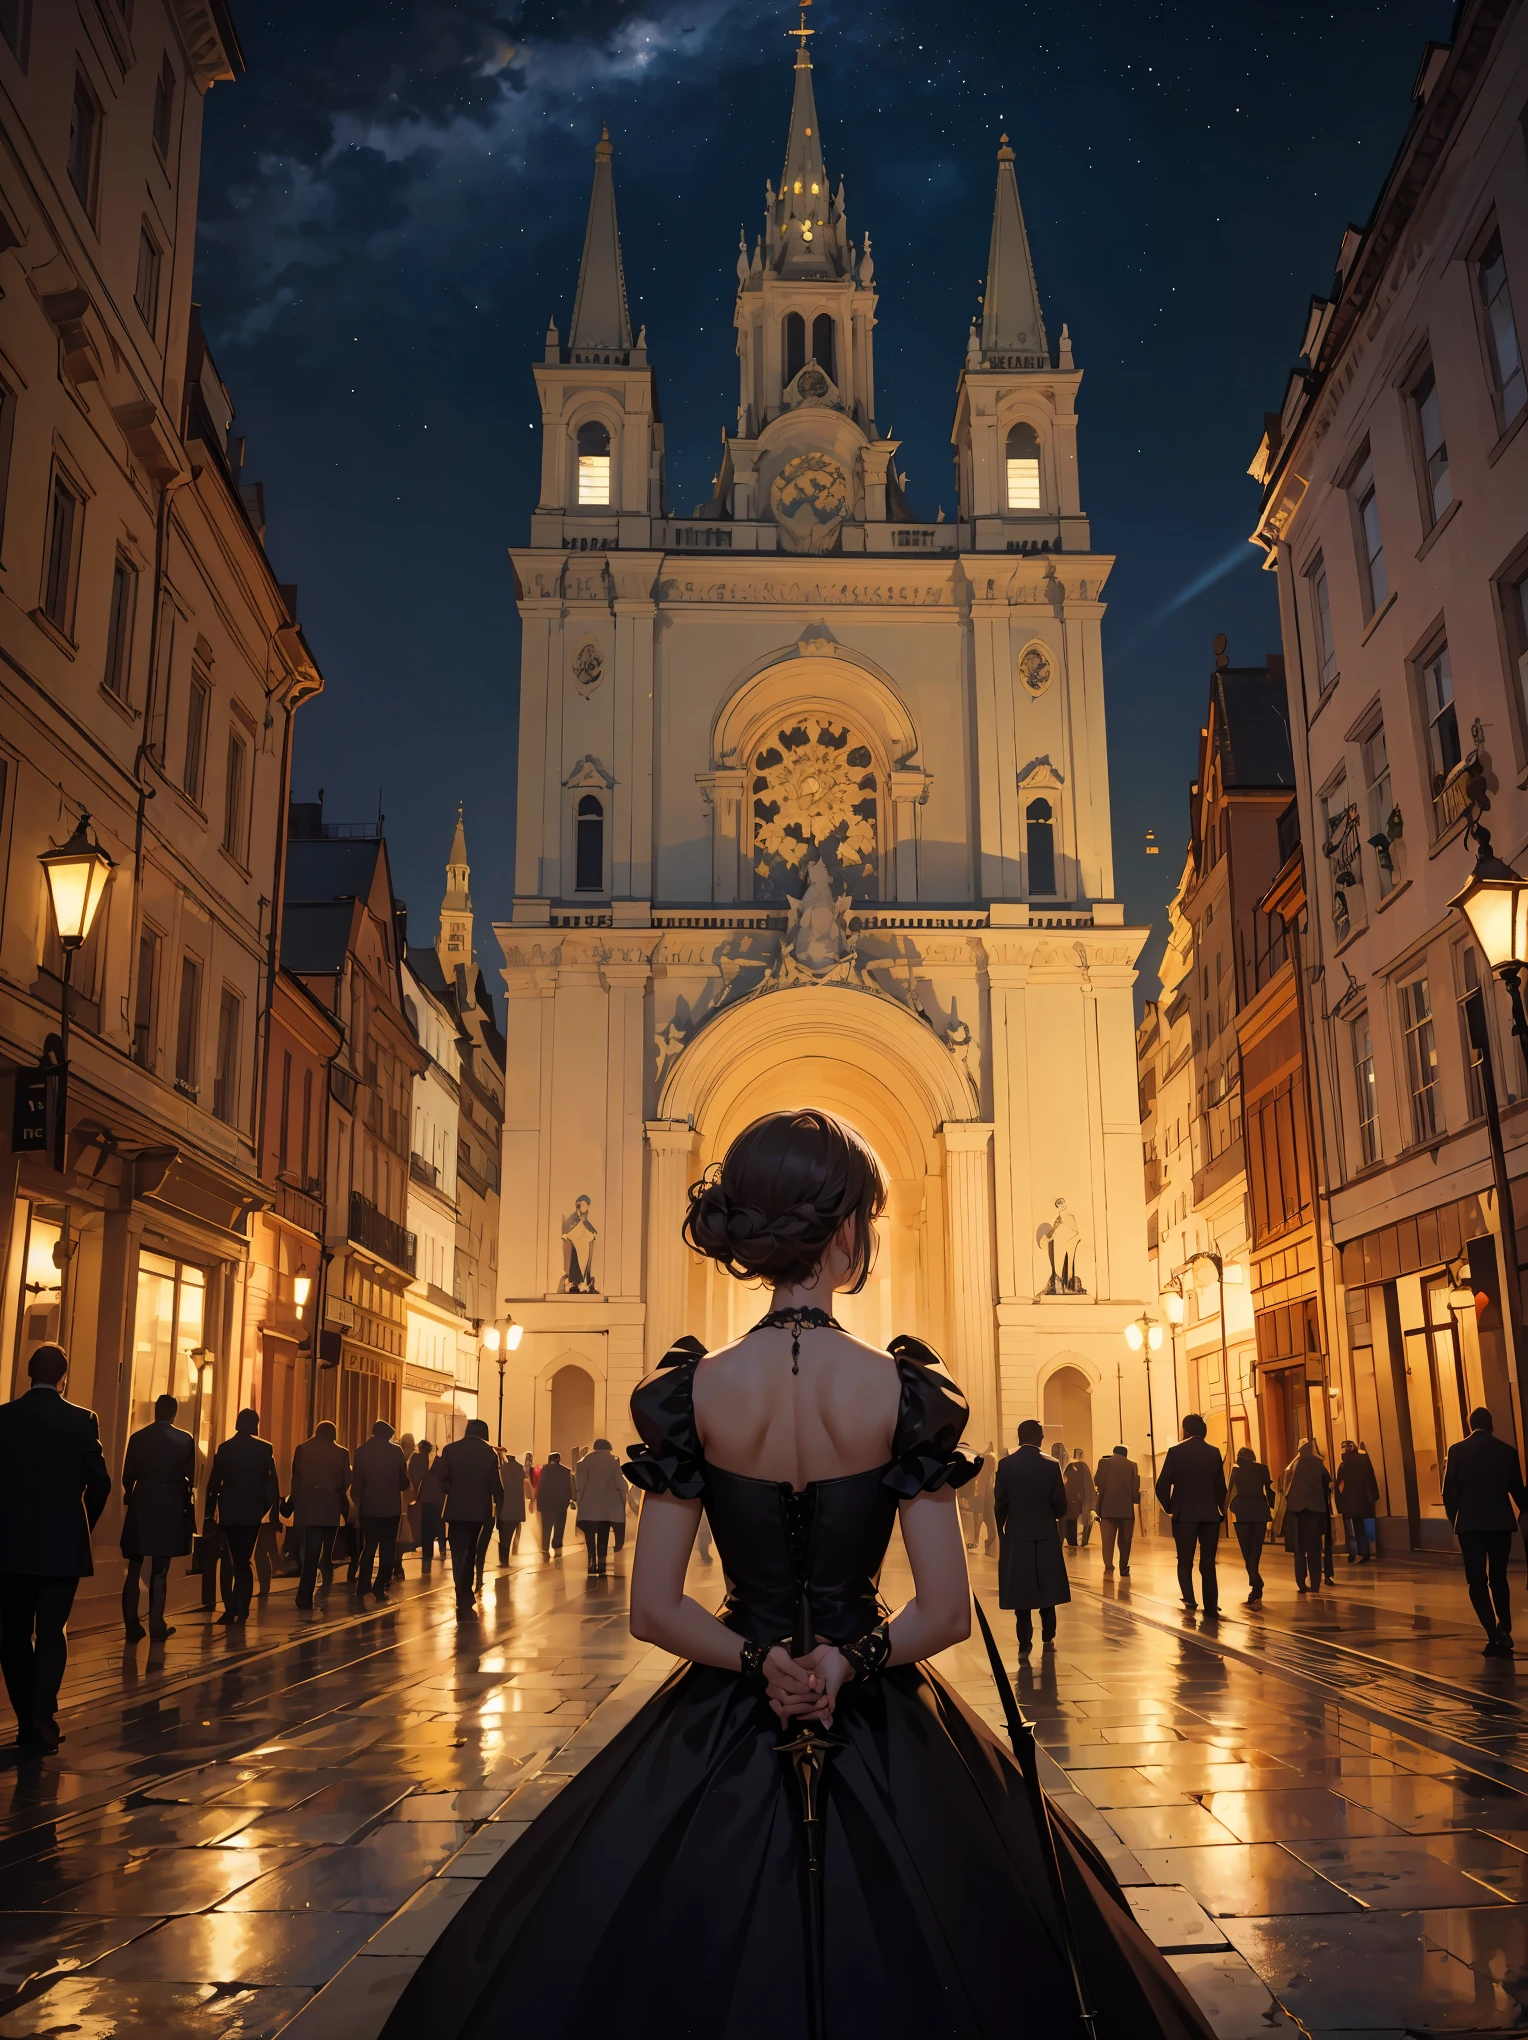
1320 1811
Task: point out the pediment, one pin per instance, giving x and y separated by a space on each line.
589 772
1040 773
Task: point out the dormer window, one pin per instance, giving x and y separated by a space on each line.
1023 468
593 464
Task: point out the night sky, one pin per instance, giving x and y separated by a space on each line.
393 201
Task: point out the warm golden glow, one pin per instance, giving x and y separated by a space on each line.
513 1337
1154 1338
796 187
1172 1303
302 1289
77 873
1133 1338
491 1338
1497 910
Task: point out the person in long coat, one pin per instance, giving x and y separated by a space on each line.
53 1487
1081 1494
554 1492
1357 1499
1482 1488
1029 1502
242 1495
468 1469
159 1523
379 1480
512 1508
1307 1514
1117 1486
1250 1497
319 1503
601 1502
1192 1490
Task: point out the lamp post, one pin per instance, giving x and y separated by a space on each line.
1225 1271
1143 1335
77 872
1494 901
501 1345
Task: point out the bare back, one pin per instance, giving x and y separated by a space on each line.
835 1417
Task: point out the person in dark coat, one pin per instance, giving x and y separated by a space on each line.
159 1520
1192 1490
431 1500
512 1508
1251 1497
53 1487
601 1502
1080 1497
1357 1499
379 1479
1029 1502
318 1504
554 1493
1117 1485
1482 1480
242 1494
1307 1514
468 1470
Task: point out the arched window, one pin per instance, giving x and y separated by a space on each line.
589 845
1040 845
593 463
1023 468
795 345
823 330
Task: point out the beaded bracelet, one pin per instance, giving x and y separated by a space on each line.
750 1662
868 1655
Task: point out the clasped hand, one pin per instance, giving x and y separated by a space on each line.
805 1688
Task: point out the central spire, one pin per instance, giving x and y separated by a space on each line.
806 223
1011 321
601 322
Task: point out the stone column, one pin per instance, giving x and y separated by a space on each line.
670 1171
626 984
724 793
909 790
968 1205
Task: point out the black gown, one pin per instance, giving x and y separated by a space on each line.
661 1893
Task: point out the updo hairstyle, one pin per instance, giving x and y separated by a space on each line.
785 1186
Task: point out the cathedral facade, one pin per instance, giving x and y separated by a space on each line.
814 809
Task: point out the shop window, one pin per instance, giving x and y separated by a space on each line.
169 1351
1504 353
1421 1061
593 464
1040 846
42 1284
589 845
1023 468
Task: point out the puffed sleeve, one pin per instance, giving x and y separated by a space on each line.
926 1450
669 1459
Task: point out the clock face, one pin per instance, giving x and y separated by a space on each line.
809 500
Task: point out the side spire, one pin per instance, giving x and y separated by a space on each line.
1011 319
601 322
454 943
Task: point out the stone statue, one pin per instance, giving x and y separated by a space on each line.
1061 1239
578 1239
817 932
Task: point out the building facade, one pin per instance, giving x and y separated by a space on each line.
150 669
814 809
1395 513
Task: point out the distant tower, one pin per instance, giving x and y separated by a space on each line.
454 944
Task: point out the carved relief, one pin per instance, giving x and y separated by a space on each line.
813 795
1035 669
934 595
809 500
588 667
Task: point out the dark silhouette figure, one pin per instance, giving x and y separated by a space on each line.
554 1492
53 1487
1192 1490
318 1505
512 1508
1357 1499
1307 1515
424 1472
242 1494
601 1502
1117 1485
1080 1497
469 1475
1029 1501
159 1520
1482 1479
1251 1497
379 1479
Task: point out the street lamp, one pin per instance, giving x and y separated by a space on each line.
77 872
302 1288
1225 1271
501 1345
1143 1335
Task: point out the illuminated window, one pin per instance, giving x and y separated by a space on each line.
593 463
1023 468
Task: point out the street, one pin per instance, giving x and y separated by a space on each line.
1321 1812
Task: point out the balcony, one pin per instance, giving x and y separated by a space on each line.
1450 798
380 1235
424 1172
300 1207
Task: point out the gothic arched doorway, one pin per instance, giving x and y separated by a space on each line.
572 1410
1068 1412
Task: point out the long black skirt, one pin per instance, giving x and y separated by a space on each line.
663 1888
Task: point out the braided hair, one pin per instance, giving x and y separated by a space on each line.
784 1188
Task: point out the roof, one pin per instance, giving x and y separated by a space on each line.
315 936
601 320
1252 728
323 868
1011 318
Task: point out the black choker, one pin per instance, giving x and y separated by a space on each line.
796 1322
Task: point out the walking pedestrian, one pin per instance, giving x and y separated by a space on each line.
319 1503
424 1471
1192 1490
468 1472
1482 1479
512 1508
379 1479
1117 1485
242 1492
601 1503
159 1519
1080 1497
554 1493
1357 1499
1250 1498
1307 1490
985 1486
1029 1502
53 1487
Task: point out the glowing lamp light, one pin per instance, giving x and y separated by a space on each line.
302 1289
513 1337
77 872
1495 903
1154 1338
491 1338
1463 1299
1134 1337
1172 1303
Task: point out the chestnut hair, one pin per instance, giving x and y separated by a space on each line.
785 1186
